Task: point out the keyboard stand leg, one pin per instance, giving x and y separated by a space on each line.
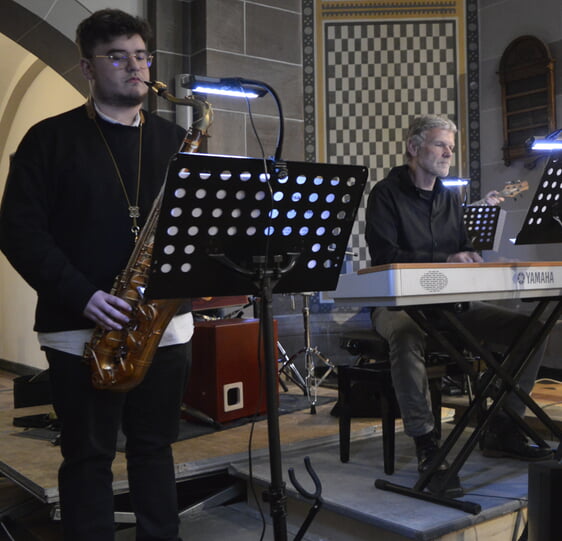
517 356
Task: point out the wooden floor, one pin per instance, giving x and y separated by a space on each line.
22 516
6 390
193 457
19 509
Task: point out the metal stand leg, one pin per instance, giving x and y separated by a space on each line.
289 369
310 355
309 383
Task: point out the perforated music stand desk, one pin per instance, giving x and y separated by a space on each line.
230 225
484 224
543 223
222 206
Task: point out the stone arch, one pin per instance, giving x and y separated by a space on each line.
44 40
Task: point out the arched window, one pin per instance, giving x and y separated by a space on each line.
528 98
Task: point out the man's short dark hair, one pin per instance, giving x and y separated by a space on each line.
107 24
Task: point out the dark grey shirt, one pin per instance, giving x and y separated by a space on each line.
407 225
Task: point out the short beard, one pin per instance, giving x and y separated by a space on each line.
121 100
126 101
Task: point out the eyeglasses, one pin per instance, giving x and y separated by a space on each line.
121 60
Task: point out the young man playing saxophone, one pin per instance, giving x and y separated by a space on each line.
80 186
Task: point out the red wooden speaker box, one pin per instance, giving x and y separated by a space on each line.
226 381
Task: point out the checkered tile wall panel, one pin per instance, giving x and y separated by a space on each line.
378 75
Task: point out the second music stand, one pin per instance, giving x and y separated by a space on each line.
484 224
543 223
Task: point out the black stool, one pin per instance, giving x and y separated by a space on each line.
368 345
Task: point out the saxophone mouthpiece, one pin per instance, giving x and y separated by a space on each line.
157 86
162 90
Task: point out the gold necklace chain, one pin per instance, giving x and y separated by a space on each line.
134 210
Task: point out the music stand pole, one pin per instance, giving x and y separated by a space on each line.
276 496
265 278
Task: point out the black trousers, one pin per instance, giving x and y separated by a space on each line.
90 420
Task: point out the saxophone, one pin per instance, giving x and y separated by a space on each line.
119 359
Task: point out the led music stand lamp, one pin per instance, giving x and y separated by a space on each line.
231 225
543 223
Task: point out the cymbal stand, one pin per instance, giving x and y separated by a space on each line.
310 355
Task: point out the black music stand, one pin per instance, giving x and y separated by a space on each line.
543 223
484 224
228 225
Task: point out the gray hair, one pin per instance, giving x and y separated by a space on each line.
421 125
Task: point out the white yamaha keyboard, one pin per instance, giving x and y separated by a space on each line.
409 284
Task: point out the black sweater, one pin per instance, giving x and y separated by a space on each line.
406 225
64 222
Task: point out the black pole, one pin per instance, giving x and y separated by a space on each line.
277 496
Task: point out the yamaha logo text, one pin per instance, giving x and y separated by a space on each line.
535 278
